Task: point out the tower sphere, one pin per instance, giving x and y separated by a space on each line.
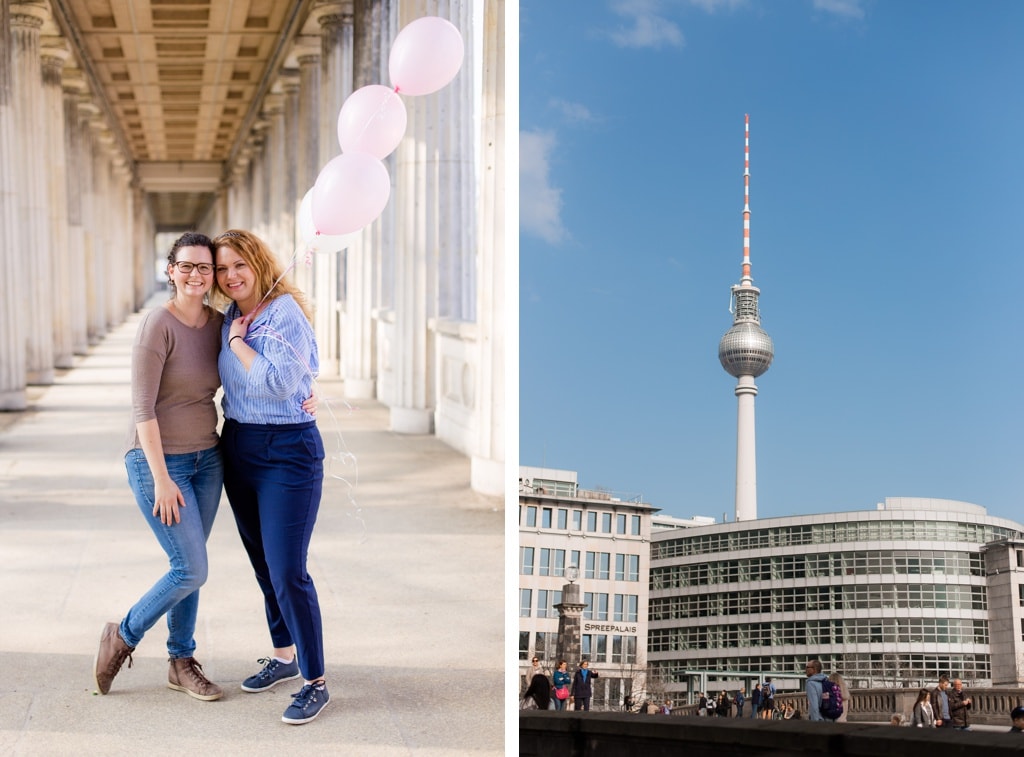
746 350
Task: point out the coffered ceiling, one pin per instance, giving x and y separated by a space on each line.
183 80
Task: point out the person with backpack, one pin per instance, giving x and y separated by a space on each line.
824 698
844 690
768 699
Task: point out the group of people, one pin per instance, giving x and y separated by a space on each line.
720 706
561 690
944 706
233 321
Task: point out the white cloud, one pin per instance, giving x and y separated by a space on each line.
540 204
648 28
713 5
572 112
844 8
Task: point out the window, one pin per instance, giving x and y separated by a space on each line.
633 571
606 523
531 516
563 518
545 562
525 598
558 568
545 517
574 558
603 565
1020 594
635 523
544 605
526 561
596 606
624 649
524 645
620 567
591 522
620 523
625 607
591 562
577 520
546 646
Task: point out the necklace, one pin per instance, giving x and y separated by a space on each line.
200 322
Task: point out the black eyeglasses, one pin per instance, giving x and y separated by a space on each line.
186 267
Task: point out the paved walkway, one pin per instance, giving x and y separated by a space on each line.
407 559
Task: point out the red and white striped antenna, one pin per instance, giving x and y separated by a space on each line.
746 200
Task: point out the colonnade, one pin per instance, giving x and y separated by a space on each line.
411 313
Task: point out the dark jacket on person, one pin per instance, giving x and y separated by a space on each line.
538 693
581 687
957 707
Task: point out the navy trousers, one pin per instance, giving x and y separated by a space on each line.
273 476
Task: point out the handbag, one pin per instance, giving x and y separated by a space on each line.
562 692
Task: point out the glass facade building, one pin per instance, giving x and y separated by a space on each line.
889 597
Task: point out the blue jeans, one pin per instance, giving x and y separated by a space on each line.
199 476
273 476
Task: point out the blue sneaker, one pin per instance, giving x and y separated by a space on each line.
272 674
307 704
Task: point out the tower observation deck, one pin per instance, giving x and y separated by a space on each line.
746 351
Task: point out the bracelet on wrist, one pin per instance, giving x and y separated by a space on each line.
236 336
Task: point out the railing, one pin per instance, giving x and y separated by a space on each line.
991 706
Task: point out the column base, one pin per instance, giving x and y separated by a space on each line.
487 476
13 400
361 389
410 420
40 378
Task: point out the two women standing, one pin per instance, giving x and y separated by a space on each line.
265 355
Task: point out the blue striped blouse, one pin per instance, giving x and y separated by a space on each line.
281 378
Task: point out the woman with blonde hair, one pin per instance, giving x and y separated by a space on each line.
273 457
839 681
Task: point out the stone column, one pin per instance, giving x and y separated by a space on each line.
90 270
277 237
74 89
570 614
328 292
307 138
487 472
434 224
27 18
13 266
357 322
54 55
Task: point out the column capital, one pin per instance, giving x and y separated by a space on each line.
30 13
330 13
273 103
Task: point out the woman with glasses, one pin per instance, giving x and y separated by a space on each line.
174 464
273 457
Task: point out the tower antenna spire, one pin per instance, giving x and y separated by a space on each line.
746 351
746 279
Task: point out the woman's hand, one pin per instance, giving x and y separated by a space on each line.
167 501
311 403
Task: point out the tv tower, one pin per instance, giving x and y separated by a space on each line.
746 351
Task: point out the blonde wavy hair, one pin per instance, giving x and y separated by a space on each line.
271 281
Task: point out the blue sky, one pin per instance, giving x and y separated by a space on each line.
885 239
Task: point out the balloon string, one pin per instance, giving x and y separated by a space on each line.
377 114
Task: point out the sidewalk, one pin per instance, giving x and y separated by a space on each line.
408 564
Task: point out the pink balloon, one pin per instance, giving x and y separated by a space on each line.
350 192
373 120
425 56
312 238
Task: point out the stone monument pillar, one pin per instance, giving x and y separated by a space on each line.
570 611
